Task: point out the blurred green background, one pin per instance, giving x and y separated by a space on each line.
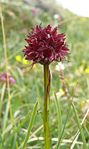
19 18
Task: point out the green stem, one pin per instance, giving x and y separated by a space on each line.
46 108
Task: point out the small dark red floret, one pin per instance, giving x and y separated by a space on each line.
45 45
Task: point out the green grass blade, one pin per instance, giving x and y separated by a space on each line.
1 98
5 117
79 126
30 125
8 107
59 139
1 143
59 116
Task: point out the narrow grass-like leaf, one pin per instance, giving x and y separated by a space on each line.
59 139
2 97
30 126
78 132
8 107
59 116
5 117
14 142
79 126
1 143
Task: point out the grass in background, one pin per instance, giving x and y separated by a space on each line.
16 113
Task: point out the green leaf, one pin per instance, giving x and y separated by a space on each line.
79 126
30 125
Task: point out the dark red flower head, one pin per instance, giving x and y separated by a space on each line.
45 45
